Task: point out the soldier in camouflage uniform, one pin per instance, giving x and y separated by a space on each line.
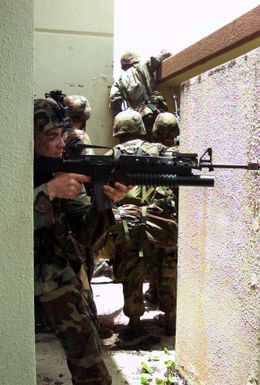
136 88
128 125
64 227
145 235
79 111
165 130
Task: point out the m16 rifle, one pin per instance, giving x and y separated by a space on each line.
170 169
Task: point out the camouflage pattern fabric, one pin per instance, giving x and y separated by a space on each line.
76 136
129 58
165 128
140 147
47 116
136 88
78 110
71 317
79 107
102 268
148 249
132 269
64 230
128 122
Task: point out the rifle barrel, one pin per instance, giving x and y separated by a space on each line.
249 166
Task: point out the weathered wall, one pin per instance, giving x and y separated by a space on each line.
218 298
74 52
17 356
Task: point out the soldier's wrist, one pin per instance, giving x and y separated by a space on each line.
51 190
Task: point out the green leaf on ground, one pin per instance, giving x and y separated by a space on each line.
146 378
172 379
166 351
160 381
169 364
153 358
146 368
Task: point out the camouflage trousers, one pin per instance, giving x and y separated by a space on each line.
157 264
73 322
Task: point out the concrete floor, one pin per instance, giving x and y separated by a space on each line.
122 356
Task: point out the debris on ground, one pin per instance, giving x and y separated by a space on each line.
130 360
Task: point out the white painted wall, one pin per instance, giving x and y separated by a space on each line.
218 252
17 353
74 53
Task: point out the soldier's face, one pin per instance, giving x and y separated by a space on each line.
50 143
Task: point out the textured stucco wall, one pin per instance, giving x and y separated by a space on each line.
17 356
74 52
218 300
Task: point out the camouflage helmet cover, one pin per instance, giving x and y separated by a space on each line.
128 122
79 107
129 58
165 124
47 116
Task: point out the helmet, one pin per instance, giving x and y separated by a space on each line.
128 122
128 59
79 107
165 127
47 115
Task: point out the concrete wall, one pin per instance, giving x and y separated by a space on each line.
218 290
17 356
74 52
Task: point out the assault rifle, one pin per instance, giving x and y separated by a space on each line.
170 169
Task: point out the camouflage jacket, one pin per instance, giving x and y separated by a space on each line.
136 85
145 213
78 136
156 199
63 230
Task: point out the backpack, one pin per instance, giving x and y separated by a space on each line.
153 104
